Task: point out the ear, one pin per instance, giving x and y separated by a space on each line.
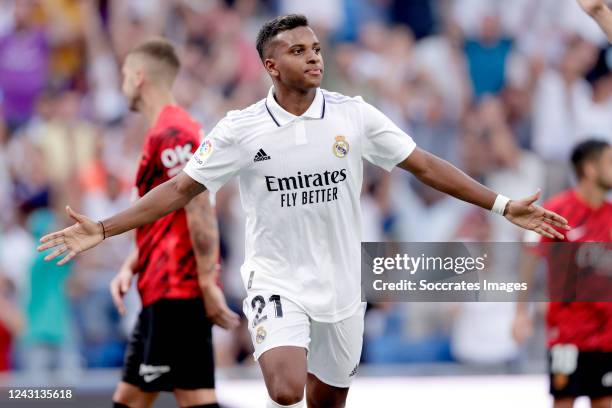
270 66
589 170
139 77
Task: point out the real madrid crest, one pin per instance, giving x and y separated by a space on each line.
340 147
260 336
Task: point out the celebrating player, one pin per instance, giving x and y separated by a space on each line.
176 256
579 333
299 155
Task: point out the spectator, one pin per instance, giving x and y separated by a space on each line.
48 342
486 55
559 93
24 64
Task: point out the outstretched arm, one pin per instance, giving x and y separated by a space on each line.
445 177
86 233
162 200
601 13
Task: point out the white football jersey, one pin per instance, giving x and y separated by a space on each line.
300 182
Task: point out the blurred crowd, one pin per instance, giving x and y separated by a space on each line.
502 89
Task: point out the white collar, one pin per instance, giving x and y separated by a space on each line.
281 117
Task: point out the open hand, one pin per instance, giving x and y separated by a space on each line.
530 216
81 236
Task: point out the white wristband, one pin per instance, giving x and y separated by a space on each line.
500 204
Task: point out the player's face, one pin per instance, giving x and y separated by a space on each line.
604 169
132 81
296 60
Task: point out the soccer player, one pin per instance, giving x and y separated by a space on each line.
299 155
579 333
601 13
176 256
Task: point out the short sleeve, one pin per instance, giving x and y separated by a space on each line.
217 159
384 144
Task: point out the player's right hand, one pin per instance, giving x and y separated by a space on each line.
522 327
81 236
119 287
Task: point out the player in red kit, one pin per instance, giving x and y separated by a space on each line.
579 333
176 256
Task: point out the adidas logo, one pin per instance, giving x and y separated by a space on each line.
261 156
354 370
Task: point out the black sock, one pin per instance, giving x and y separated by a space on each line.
213 405
119 405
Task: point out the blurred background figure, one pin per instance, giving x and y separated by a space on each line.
49 344
11 322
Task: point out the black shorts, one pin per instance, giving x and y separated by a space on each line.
171 347
576 373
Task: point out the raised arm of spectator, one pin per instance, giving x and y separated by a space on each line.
86 233
601 13
102 67
93 32
123 13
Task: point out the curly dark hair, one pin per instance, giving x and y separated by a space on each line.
275 26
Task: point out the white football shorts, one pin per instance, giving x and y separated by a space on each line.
334 349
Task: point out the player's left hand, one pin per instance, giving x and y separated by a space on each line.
530 216
216 308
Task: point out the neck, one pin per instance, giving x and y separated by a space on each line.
153 102
293 100
591 194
